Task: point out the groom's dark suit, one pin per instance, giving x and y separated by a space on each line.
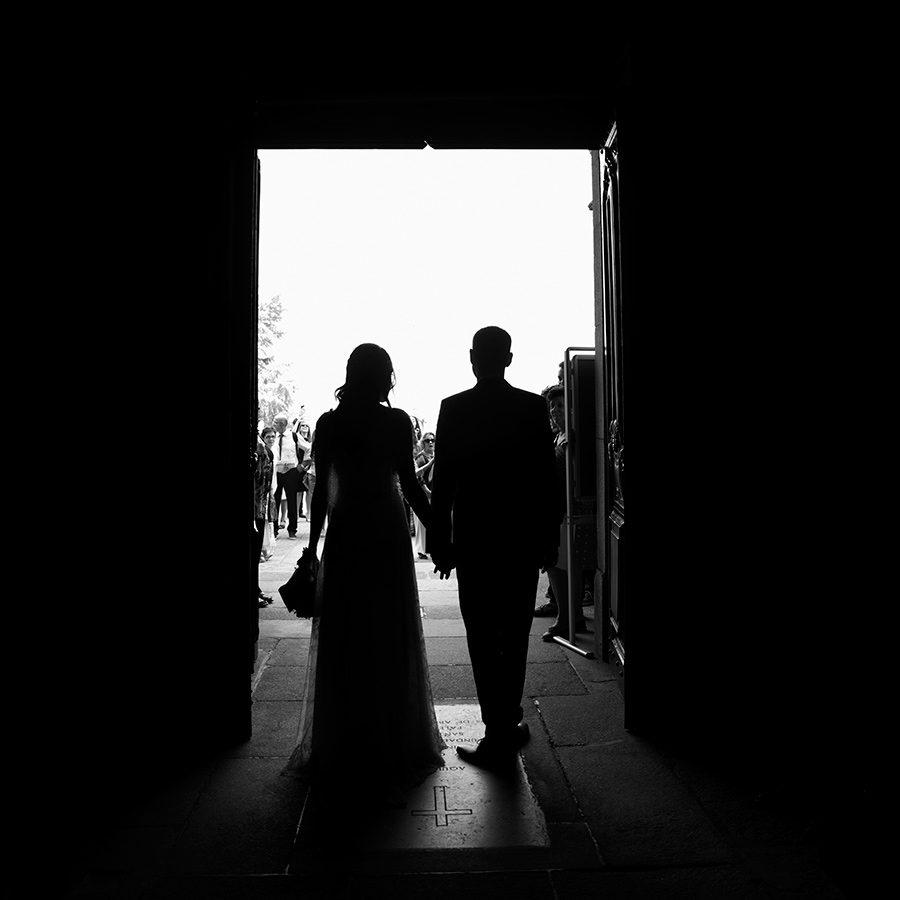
495 513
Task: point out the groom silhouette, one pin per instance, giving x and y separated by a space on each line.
489 524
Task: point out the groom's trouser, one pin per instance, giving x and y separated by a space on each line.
497 605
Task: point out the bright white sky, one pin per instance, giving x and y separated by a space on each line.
416 250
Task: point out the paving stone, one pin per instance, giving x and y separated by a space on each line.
433 593
443 627
452 651
249 789
221 849
541 651
441 611
638 811
275 725
281 683
245 820
277 628
555 678
289 652
593 670
592 718
545 773
449 682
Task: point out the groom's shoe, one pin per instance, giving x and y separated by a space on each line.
489 754
521 734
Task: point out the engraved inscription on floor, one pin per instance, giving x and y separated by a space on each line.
462 806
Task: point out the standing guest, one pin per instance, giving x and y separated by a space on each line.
425 473
482 524
264 501
287 447
417 435
559 574
549 608
302 493
309 476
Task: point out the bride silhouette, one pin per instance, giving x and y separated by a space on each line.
368 695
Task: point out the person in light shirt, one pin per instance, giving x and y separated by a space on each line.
288 457
424 472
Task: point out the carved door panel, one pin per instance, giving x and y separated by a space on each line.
611 409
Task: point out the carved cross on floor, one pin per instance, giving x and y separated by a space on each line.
441 811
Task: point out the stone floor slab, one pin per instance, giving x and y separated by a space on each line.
443 627
460 806
289 652
280 683
638 811
545 773
452 682
289 628
447 651
542 651
275 725
244 822
593 718
593 670
441 611
556 678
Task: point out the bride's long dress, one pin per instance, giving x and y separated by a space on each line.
368 700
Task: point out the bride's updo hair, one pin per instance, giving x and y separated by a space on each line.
370 375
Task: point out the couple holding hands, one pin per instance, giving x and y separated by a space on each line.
367 629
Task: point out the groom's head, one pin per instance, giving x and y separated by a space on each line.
490 353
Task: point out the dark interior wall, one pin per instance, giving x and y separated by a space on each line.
742 556
150 345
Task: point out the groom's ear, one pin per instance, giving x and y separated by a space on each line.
508 360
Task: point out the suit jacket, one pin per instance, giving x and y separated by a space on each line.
494 485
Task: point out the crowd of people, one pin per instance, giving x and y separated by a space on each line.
285 479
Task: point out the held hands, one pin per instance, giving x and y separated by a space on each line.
443 563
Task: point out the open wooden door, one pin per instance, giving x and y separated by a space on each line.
612 542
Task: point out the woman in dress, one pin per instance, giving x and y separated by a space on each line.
264 500
424 473
368 694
